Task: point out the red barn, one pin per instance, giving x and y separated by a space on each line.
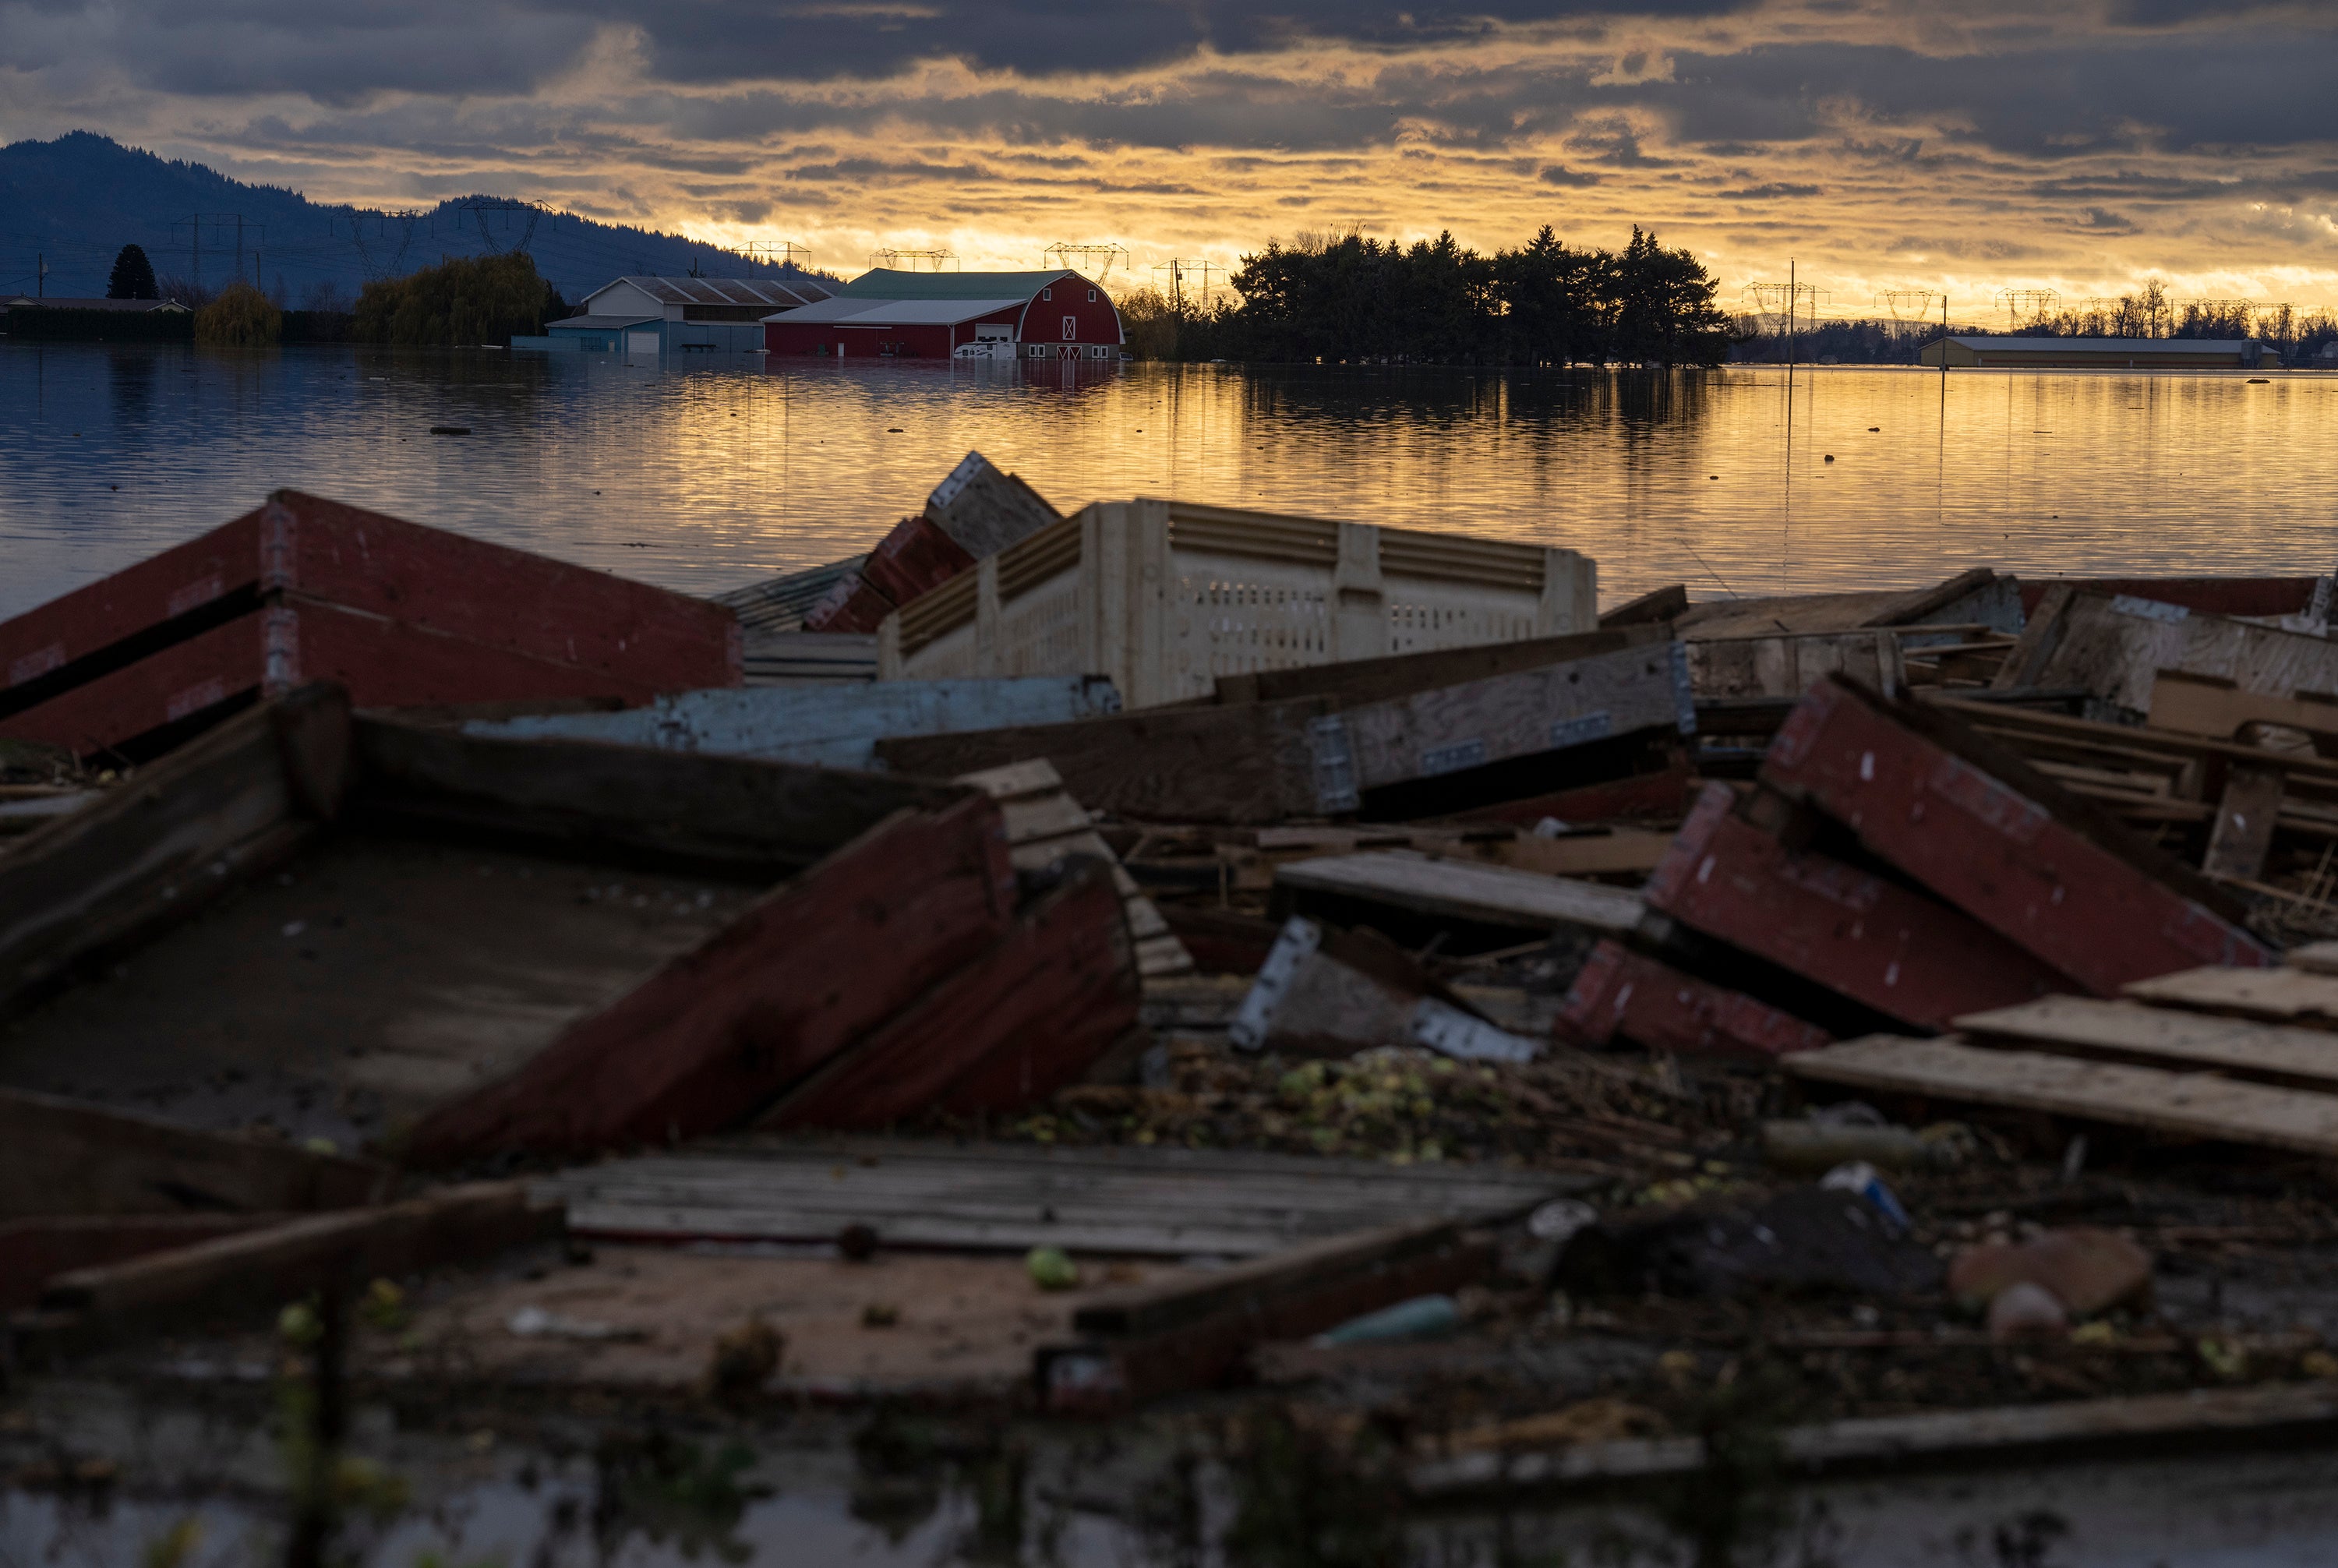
891 314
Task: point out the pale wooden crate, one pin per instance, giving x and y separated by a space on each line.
1166 597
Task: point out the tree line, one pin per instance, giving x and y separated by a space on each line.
1344 298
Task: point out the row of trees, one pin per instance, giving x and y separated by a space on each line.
1345 298
462 302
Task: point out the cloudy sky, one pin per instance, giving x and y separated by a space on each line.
1970 145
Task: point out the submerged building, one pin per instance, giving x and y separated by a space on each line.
888 313
644 316
2103 353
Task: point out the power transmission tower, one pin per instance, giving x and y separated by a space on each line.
933 259
378 260
1190 279
515 238
1080 258
1910 304
1779 306
221 225
775 252
2033 302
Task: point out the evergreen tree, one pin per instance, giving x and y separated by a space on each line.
132 277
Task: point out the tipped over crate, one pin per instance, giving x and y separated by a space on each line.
1166 597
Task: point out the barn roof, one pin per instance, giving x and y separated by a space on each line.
883 312
893 283
723 291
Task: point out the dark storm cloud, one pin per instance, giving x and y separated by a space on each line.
1570 178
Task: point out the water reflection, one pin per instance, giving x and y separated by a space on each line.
709 473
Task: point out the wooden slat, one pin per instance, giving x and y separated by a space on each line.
2314 957
2245 818
1492 895
2188 1104
2164 1037
2284 995
2214 708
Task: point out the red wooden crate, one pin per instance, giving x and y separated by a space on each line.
2050 873
1027 1017
630 638
1878 943
1620 992
715 1034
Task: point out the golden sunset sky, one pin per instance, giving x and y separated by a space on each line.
1966 147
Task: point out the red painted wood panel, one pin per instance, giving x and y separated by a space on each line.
1652 1004
915 557
497 597
1991 850
384 662
2209 595
850 604
1873 941
715 1036
1009 1029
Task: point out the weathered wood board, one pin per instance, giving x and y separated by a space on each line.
1317 755
1784 666
827 726
1009 1197
2216 708
2115 645
2186 1104
1620 992
1487 895
2164 1037
1986 832
1882 945
2288 994
2246 814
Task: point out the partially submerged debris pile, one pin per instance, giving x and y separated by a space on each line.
1831 1008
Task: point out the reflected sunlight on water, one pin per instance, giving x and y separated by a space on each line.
702 477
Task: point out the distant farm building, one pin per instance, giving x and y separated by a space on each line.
57 302
642 316
2103 353
893 314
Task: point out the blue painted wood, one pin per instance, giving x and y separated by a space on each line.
829 726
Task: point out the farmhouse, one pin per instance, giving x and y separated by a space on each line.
889 313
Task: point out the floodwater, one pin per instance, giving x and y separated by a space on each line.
705 473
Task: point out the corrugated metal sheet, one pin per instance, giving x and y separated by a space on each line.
899 312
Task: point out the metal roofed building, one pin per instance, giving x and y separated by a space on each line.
889 313
58 302
2102 353
638 316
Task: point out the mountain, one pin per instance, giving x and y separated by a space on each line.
75 201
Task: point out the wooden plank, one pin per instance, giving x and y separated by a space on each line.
2017 724
1662 796
2203 1418
2164 1037
2314 957
1148 1340
146 857
32 1250
1786 666
726 1027
2187 1104
1990 835
1618 992
914 557
2245 818
827 726
1023 1019
985 509
1171 1202
754 818
2214 707
2278 996
1862 936
61 1156
2266 596
1489 894
256 1270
